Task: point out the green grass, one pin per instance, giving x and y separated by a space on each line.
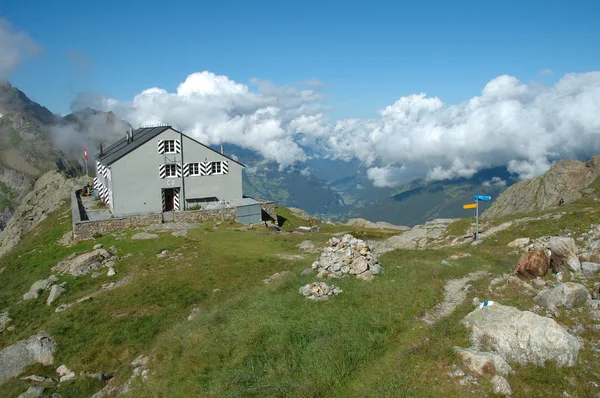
254 340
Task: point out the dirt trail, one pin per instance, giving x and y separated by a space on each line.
454 295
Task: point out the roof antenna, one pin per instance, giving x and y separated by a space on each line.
221 149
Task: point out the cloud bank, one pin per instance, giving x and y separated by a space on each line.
15 47
523 126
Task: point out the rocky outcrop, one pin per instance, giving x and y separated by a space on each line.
521 336
362 223
14 186
36 349
84 263
567 295
51 191
560 185
347 255
418 237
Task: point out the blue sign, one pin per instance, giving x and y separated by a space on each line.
480 197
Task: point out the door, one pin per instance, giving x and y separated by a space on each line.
168 199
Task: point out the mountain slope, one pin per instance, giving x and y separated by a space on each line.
560 185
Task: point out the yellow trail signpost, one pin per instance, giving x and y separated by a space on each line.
476 207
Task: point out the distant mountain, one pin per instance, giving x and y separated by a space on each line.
421 201
33 140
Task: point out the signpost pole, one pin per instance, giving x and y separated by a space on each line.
477 220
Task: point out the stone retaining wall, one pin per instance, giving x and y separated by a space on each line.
269 209
203 215
84 229
87 229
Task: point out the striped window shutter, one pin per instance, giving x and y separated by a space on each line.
161 147
205 169
178 170
225 166
186 169
176 199
164 202
177 146
162 172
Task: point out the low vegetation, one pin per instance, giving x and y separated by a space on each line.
250 339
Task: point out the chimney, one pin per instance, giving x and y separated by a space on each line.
221 149
131 133
101 149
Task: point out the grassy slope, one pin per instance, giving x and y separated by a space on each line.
255 340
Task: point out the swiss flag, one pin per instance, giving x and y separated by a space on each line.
85 153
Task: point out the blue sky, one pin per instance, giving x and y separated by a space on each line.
367 53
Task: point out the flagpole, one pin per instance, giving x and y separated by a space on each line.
85 159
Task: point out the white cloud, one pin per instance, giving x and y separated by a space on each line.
523 126
15 47
494 182
545 72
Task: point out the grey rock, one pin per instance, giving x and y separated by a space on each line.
307 271
33 392
34 291
140 361
144 235
520 242
96 275
359 265
521 336
38 379
98 246
500 386
564 254
111 272
36 349
319 291
590 268
55 291
477 242
483 363
568 295
376 269
84 263
4 320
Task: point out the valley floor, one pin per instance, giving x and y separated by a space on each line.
195 304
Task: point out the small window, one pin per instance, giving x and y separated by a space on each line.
170 170
170 146
216 168
194 169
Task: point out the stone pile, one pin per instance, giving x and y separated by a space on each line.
319 291
347 255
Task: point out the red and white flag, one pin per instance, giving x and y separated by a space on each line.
85 153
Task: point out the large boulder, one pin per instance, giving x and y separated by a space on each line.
521 336
568 295
564 254
84 263
36 349
534 264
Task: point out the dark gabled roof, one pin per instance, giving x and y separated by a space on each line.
116 151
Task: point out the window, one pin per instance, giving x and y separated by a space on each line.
194 169
170 146
216 167
170 170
